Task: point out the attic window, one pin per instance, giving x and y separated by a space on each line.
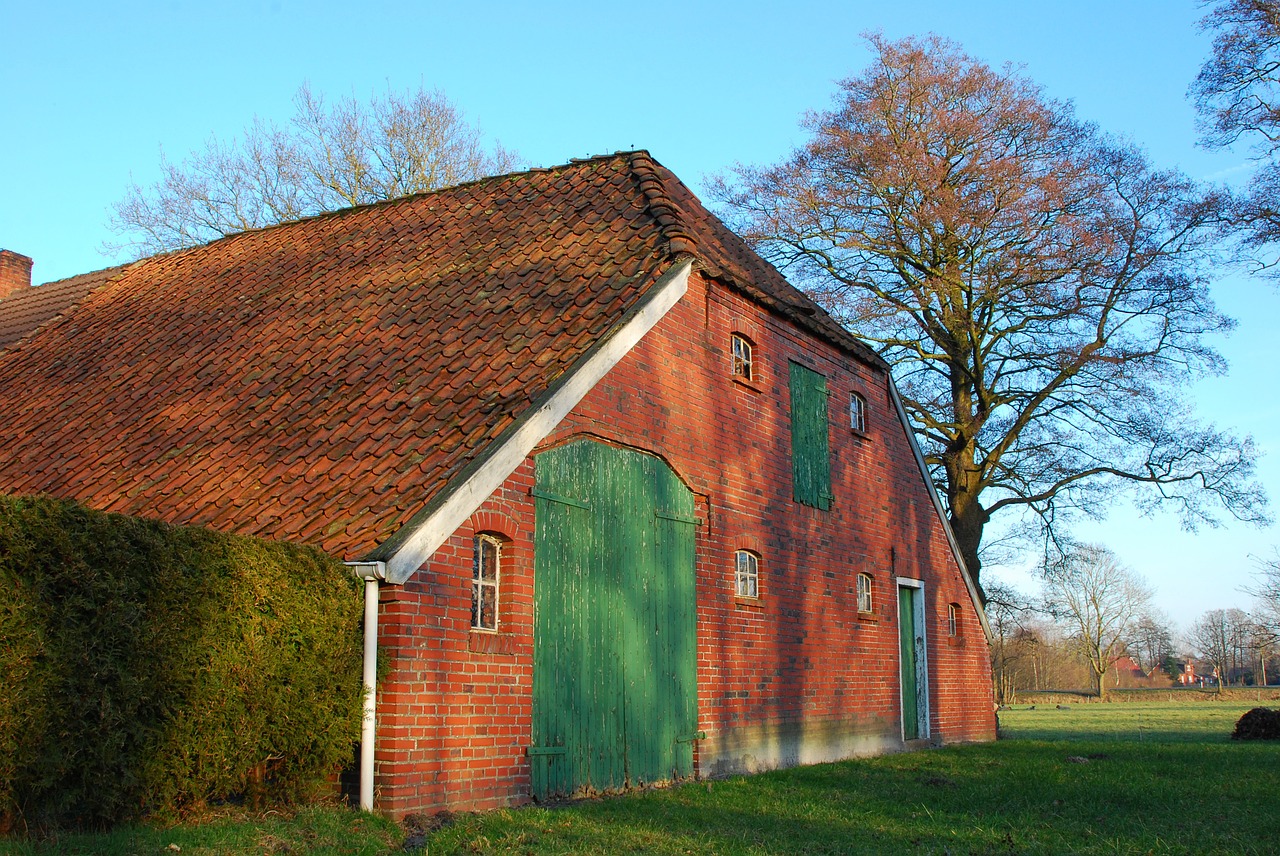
857 413
746 574
864 593
953 619
740 347
484 583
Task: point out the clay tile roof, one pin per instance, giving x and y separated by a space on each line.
25 311
324 380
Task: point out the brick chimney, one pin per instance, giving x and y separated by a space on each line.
15 273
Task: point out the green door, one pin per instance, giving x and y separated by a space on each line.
911 648
614 662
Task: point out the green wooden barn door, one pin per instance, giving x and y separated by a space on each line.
614 667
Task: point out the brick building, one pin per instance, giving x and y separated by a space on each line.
630 506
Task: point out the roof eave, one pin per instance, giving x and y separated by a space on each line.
803 315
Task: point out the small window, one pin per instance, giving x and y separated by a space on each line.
953 618
864 593
742 363
747 574
857 413
484 583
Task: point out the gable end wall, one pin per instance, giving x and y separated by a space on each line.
796 676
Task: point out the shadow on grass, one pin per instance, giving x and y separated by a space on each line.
1017 796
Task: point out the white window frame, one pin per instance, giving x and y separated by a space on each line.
743 353
857 412
479 583
746 574
866 597
953 620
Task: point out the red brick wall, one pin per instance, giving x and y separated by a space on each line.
798 675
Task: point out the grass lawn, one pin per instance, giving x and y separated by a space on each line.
1090 778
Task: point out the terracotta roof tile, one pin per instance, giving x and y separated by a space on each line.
23 312
324 380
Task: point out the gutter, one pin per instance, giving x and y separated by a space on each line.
372 573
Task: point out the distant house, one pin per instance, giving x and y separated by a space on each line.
1125 672
632 508
1189 677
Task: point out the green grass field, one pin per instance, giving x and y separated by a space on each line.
1093 778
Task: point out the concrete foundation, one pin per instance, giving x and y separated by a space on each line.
771 746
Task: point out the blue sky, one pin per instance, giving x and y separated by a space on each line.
91 92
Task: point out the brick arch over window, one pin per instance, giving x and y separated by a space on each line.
748 541
496 523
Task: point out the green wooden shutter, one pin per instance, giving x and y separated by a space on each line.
810 444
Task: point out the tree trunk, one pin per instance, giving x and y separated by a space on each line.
968 526
964 476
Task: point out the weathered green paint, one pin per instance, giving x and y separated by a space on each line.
907 647
614 668
810 438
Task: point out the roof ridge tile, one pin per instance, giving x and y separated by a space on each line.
665 212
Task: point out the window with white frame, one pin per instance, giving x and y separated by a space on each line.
746 574
743 366
953 619
857 413
865 603
484 583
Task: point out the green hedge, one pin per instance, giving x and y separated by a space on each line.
148 668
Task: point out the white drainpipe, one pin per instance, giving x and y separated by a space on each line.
371 573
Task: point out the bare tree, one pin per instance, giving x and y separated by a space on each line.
1260 643
1099 600
1039 288
1223 637
1007 612
329 156
1266 589
1238 95
1266 613
1151 642
1043 657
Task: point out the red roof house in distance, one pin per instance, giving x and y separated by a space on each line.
631 507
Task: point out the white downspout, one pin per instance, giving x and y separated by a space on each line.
371 573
